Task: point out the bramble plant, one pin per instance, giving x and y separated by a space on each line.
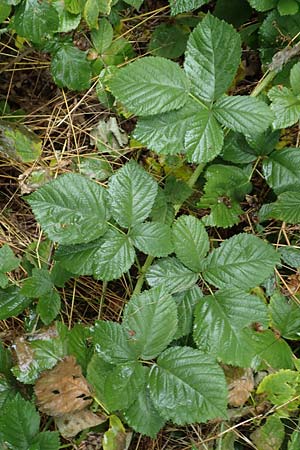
207 294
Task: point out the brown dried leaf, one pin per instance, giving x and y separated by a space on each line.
240 384
23 353
63 389
71 424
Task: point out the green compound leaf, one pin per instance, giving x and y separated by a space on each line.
151 321
103 36
188 386
190 241
151 85
204 137
170 272
19 143
285 105
71 69
285 316
181 6
142 416
165 133
243 261
12 302
8 260
186 302
19 423
243 114
286 207
270 435
35 20
282 169
123 385
48 306
112 342
115 256
263 5
219 324
152 238
71 209
132 193
212 57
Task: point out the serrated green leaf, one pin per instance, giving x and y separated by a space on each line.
151 85
224 214
204 137
243 261
19 143
188 386
7 390
263 144
186 302
172 274
132 193
152 238
181 6
285 105
294 442
295 79
91 12
287 7
97 371
168 41
165 133
151 321
285 316
112 342
40 283
71 69
162 210
102 36
269 436
210 72
36 20
79 259
5 10
219 324
8 261
74 6
270 351
142 416
78 338
290 255
263 5
19 423
286 207
176 190
115 257
46 440
282 169
59 275
243 114
67 20
71 209
48 306
190 241
12 302
281 388
123 385
237 150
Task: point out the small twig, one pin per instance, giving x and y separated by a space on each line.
17 59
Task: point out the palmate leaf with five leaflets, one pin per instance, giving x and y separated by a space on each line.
219 324
187 386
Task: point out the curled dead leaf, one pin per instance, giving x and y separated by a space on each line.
71 424
240 384
63 389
